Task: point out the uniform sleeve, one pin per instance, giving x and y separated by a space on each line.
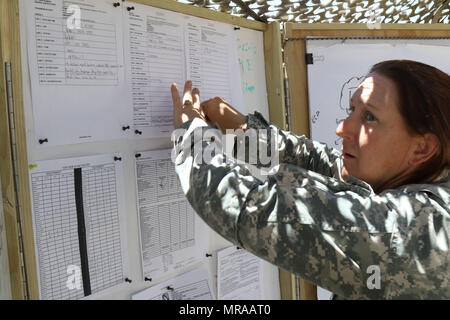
334 233
285 147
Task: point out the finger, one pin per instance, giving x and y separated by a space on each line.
208 105
176 96
197 104
187 95
196 98
228 105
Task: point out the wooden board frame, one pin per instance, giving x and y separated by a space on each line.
294 57
16 199
16 205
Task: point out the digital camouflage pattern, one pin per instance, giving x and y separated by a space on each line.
306 219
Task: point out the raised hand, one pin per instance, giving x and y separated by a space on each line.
188 108
217 110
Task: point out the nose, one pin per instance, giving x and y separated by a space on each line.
347 128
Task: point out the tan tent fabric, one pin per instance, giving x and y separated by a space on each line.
337 11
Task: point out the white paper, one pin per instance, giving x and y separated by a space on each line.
323 294
77 75
172 236
154 52
239 275
193 285
212 62
56 227
163 47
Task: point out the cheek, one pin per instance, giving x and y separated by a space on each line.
366 139
372 152
381 151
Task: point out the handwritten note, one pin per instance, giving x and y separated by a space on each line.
250 52
85 56
77 74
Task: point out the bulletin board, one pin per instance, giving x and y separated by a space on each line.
258 49
327 42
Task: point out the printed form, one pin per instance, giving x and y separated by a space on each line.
172 236
79 226
212 61
239 275
193 285
154 52
118 65
76 71
163 47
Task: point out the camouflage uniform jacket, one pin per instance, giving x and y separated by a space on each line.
306 219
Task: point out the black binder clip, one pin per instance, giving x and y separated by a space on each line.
309 59
116 4
42 141
126 128
138 155
130 8
128 280
147 279
117 159
169 288
138 132
208 255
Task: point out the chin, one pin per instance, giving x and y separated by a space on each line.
344 173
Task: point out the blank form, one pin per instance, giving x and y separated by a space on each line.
56 233
100 196
77 207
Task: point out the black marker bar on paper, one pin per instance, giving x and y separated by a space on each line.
82 232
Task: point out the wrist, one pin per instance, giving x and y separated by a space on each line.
243 124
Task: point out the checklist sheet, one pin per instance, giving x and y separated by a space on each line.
172 236
79 227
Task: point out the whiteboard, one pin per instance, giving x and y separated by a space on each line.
250 50
255 99
339 67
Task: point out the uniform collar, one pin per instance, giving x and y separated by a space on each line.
443 176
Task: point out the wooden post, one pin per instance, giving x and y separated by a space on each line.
17 205
275 75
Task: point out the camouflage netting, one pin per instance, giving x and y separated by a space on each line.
337 11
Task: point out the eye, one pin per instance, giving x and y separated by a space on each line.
370 117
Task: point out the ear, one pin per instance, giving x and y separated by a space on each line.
426 147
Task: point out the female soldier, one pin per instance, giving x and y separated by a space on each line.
331 217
